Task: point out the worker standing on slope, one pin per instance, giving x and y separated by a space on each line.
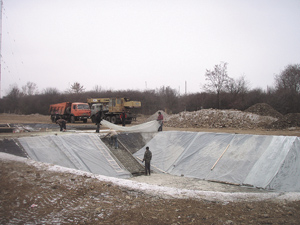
160 119
147 159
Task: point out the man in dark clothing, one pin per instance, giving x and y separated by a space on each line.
62 124
98 120
123 117
147 159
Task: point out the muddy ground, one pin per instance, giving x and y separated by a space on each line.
32 194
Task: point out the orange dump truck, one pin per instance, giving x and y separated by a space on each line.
70 111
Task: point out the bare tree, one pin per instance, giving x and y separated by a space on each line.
13 99
168 98
30 89
76 88
14 92
97 88
51 91
288 88
218 80
289 79
238 86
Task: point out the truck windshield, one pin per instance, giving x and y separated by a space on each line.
83 106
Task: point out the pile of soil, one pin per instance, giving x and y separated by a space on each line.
264 109
258 116
287 121
213 118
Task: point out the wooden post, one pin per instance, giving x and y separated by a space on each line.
219 158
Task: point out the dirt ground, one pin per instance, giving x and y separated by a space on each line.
37 195
37 118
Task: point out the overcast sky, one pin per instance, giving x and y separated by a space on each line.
146 44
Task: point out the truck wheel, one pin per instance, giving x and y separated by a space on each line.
53 119
113 120
107 118
72 119
93 119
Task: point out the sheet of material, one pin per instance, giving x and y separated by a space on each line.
269 162
151 126
84 152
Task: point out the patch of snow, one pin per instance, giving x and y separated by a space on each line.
166 192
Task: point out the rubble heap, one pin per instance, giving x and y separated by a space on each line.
213 118
258 116
264 109
287 121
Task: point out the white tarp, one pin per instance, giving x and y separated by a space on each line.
151 126
270 162
84 152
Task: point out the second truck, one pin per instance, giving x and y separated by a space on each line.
70 111
112 108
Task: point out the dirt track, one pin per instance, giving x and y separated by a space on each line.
35 195
37 118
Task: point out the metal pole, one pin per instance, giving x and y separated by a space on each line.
1 45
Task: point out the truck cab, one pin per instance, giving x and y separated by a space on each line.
97 107
79 111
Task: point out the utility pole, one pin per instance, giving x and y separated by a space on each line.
1 45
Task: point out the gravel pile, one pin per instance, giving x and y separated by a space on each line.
264 109
287 121
213 118
258 116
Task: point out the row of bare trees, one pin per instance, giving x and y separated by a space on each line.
221 92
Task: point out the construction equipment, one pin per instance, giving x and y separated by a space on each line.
112 108
76 111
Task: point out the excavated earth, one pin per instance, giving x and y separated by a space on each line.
31 193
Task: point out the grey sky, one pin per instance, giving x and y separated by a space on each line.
139 44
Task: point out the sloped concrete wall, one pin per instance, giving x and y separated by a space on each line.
84 152
270 162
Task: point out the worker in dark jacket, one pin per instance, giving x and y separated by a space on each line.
62 124
147 159
123 117
98 120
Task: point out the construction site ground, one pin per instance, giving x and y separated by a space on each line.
33 194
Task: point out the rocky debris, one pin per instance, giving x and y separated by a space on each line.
258 116
213 118
264 109
287 121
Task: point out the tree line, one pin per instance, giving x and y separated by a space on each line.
220 92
